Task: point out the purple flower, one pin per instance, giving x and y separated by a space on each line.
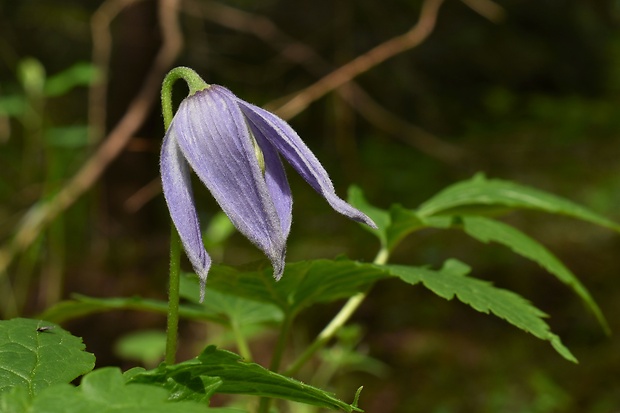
234 147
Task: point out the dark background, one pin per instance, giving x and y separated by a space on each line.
532 97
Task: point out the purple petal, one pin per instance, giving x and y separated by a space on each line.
277 184
295 151
214 138
177 190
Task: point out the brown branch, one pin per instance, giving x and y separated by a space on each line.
487 9
43 213
344 74
102 46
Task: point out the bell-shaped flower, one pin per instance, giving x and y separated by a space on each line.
234 148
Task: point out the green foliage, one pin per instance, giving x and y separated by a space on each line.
105 390
304 283
36 354
221 371
451 281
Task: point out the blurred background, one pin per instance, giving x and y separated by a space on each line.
525 91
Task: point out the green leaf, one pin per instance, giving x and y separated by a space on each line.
479 195
105 391
146 346
238 377
393 225
379 216
37 354
303 284
451 281
81 306
80 74
487 230
231 308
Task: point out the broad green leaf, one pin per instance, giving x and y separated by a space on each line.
81 306
393 225
238 377
452 281
487 230
37 354
105 391
303 284
478 193
13 105
16 400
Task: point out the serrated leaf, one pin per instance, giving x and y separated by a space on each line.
105 391
303 283
479 192
487 230
239 377
452 281
37 354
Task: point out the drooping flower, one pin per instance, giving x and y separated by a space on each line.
234 148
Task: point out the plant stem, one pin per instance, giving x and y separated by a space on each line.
173 297
242 343
195 83
337 322
278 353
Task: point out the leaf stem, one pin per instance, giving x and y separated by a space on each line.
337 322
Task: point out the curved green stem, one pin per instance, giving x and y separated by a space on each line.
337 322
195 84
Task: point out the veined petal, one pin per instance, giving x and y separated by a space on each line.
295 151
214 138
177 190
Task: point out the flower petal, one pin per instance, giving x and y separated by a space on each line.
213 135
176 184
277 184
294 150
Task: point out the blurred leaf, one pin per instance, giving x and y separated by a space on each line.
237 377
12 105
451 281
481 195
304 283
82 305
80 74
219 230
487 230
36 358
105 391
148 347
241 311
67 137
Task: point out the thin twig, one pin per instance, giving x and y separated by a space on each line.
43 213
